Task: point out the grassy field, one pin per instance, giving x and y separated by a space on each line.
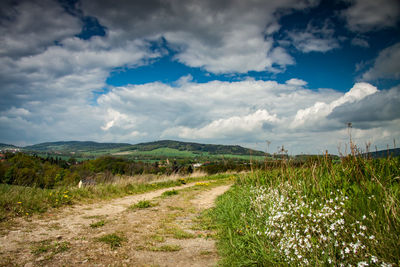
323 214
151 155
26 201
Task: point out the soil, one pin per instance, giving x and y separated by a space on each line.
169 233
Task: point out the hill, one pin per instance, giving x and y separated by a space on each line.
7 146
196 148
67 146
148 150
394 152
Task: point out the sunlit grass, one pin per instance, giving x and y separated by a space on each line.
320 215
25 201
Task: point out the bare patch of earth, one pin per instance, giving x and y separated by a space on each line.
166 234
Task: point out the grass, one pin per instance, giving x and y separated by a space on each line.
24 201
321 214
46 246
166 248
142 204
181 234
114 240
98 224
158 238
170 193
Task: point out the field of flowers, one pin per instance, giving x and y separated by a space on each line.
322 214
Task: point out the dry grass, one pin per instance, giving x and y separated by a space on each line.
152 178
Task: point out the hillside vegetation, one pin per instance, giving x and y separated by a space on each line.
320 214
167 147
68 146
196 148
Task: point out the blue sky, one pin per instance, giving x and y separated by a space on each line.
228 72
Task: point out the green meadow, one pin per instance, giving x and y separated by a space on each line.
321 214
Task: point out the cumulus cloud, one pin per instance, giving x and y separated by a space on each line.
296 82
29 27
386 65
238 127
375 108
357 41
314 39
243 112
367 15
218 36
314 115
54 83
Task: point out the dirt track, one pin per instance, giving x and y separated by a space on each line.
167 234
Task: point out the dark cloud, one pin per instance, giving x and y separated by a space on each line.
31 26
371 110
369 15
386 65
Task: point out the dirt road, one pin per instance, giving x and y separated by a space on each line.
167 234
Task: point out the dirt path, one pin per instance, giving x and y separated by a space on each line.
167 234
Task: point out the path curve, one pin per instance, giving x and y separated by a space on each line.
72 224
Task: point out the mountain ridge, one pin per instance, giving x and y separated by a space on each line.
69 146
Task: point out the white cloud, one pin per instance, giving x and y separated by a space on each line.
296 82
245 112
236 126
314 39
373 109
357 41
217 36
314 115
49 88
368 15
386 65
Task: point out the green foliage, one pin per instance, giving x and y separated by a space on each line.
142 204
166 248
46 246
98 224
114 240
259 216
170 193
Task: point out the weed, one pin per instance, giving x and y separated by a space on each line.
175 208
205 252
170 193
46 246
42 247
166 248
158 238
181 234
114 240
62 246
142 204
98 224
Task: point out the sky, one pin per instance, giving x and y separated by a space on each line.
283 72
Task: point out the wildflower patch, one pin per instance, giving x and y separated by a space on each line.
310 232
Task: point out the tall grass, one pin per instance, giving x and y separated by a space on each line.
25 201
323 213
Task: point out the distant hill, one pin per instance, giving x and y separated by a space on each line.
67 146
394 152
5 146
89 146
196 148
